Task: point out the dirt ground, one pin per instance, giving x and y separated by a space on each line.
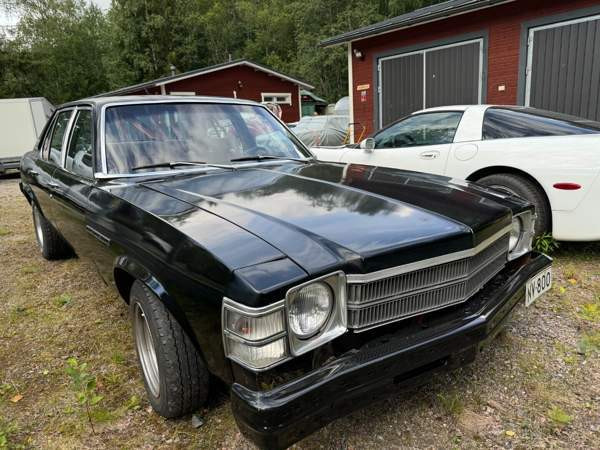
537 385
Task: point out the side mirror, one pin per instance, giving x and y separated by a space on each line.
367 144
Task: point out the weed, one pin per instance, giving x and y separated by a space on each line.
30 269
589 343
63 300
6 389
559 416
133 402
4 231
118 358
545 243
591 312
451 403
7 430
84 386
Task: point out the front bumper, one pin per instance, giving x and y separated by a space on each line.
9 163
284 415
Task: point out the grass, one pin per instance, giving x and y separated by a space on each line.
543 369
559 417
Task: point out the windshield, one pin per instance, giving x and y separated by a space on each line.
146 134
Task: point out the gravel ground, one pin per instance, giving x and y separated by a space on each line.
537 385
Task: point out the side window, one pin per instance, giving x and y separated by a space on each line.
58 133
423 129
501 123
79 150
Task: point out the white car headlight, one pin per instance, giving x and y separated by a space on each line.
309 309
316 312
515 233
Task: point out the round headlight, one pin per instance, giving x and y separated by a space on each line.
309 309
515 233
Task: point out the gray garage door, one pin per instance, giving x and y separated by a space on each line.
438 76
563 67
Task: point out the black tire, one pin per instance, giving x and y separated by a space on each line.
52 244
528 190
183 380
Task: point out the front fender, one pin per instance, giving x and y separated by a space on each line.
200 320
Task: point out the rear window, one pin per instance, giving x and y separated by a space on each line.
503 123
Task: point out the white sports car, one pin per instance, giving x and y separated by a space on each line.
551 159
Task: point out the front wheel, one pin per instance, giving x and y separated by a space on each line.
175 376
522 187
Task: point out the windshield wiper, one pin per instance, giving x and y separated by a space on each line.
266 157
173 164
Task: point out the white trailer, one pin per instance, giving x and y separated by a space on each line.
21 122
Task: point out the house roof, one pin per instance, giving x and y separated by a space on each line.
203 71
313 96
420 16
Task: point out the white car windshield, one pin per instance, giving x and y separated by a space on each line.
151 134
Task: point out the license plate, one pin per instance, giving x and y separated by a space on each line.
537 285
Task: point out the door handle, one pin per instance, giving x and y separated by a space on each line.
52 184
430 155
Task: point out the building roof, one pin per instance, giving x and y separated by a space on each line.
203 71
420 16
313 97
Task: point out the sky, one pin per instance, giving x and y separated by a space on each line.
9 20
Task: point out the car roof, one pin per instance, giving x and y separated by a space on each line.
134 99
451 108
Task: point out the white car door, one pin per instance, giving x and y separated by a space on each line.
421 142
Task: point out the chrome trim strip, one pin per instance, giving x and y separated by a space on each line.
188 169
252 312
67 138
101 237
525 242
417 265
335 325
203 100
259 343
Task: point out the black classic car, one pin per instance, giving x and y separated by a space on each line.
309 288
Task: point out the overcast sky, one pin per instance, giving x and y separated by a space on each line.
6 19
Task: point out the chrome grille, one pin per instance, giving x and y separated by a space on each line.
396 297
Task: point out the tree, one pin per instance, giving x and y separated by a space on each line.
59 51
67 49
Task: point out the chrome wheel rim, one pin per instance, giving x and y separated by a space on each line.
37 223
146 351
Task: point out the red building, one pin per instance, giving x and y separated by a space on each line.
540 53
238 79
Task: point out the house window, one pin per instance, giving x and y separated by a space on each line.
277 98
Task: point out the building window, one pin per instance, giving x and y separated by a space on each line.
277 98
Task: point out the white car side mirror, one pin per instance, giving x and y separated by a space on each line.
367 144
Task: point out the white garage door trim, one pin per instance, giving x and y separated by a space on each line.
424 53
531 43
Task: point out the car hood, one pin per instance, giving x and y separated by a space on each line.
351 217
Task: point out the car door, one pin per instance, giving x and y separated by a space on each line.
75 181
41 178
420 142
